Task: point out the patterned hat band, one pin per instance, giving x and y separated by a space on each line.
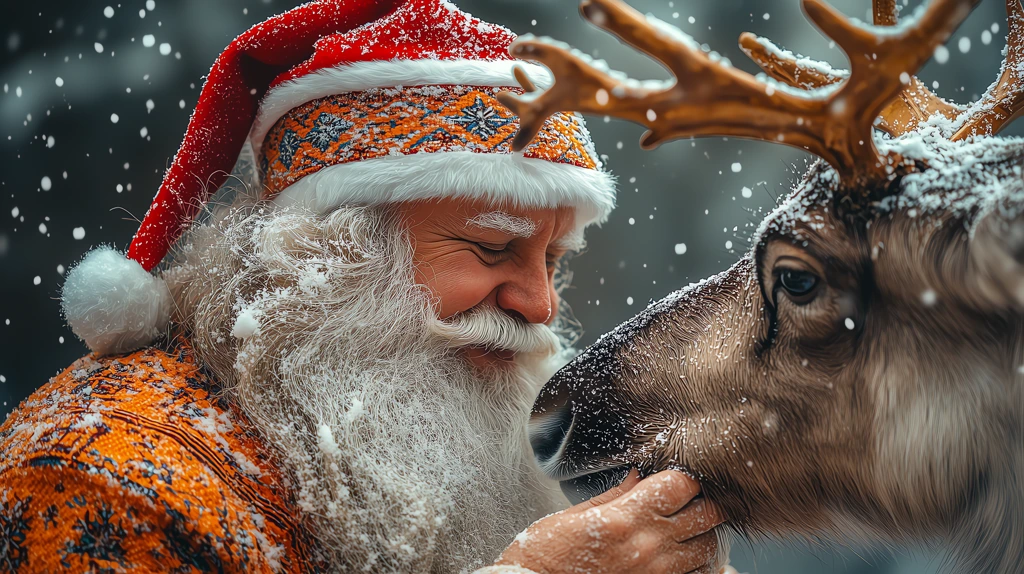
392 122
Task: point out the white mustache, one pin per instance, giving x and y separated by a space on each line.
492 329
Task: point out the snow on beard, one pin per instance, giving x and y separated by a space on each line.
402 455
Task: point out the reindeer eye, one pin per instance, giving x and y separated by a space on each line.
799 285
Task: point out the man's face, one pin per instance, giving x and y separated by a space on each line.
347 355
468 253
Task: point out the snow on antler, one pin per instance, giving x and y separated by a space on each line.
885 12
711 98
1005 98
904 114
916 103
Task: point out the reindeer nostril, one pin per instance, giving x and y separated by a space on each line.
548 431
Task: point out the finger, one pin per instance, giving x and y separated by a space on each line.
696 553
694 519
664 493
631 480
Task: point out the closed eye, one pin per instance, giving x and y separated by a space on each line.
490 253
492 248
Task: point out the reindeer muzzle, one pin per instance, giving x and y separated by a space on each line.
577 435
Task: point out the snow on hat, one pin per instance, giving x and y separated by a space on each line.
344 102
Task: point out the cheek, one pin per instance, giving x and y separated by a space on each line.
457 286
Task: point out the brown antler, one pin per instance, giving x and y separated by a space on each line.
884 12
915 103
709 98
1004 99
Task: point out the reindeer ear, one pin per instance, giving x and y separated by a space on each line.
997 256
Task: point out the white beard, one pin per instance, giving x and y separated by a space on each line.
402 456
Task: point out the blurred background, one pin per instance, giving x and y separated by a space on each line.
96 98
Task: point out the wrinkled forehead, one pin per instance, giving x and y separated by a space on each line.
471 218
564 232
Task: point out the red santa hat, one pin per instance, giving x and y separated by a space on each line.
344 102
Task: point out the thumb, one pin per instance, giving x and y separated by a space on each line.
664 493
631 480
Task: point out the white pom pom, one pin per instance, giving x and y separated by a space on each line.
113 304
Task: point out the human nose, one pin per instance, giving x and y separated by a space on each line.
529 293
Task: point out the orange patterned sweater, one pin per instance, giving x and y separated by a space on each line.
130 464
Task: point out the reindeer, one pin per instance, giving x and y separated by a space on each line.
859 374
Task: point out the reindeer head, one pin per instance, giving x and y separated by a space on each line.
857 370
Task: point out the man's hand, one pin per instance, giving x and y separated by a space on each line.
644 526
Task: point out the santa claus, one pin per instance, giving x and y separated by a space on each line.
329 365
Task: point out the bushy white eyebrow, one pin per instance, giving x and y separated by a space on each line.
524 227
513 225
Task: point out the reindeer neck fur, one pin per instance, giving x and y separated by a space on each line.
946 384
949 450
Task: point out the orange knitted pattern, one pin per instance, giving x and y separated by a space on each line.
129 464
392 122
